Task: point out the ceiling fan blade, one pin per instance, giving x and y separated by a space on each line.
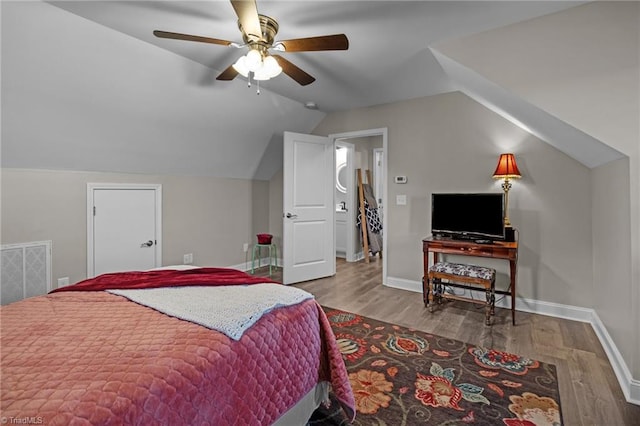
187 37
329 42
229 74
247 12
294 72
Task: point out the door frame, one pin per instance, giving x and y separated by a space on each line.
378 172
383 131
91 187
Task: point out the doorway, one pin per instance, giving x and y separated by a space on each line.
344 196
369 145
124 227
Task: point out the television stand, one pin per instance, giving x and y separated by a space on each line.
493 249
483 241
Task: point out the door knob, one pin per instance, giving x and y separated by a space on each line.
291 216
147 244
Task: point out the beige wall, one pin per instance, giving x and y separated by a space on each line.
611 272
451 143
363 151
583 66
260 202
275 208
209 217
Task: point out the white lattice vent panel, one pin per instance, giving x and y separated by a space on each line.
25 270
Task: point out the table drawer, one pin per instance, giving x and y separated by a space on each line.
470 249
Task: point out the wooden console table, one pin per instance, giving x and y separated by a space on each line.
497 250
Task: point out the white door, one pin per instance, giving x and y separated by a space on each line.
308 200
125 229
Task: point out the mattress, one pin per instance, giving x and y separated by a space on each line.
91 357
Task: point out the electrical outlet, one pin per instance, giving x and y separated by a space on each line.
187 259
245 247
64 281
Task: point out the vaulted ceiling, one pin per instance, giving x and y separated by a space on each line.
108 95
388 57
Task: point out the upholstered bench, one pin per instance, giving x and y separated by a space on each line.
459 275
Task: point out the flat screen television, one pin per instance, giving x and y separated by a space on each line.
478 216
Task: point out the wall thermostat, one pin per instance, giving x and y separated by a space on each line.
401 179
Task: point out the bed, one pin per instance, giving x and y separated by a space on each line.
94 353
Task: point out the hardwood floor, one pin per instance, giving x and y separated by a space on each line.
589 391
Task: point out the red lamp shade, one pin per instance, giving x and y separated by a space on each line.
507 168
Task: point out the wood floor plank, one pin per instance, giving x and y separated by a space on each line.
568 399
598 408
589 391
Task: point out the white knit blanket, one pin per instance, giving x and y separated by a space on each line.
228 309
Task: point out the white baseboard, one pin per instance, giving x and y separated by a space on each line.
358 256
403 284
634 392
630 386
246 266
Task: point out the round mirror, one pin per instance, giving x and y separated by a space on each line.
341 177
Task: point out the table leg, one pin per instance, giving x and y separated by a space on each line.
253 258
275 250
512 287
270 258
425 291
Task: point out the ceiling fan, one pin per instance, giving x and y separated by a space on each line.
258 32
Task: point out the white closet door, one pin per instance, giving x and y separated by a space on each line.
125 229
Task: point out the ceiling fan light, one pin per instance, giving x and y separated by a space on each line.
271 66
241 66
254 60
261 75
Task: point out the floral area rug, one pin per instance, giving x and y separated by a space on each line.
402 376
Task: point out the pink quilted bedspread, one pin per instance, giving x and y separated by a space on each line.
165 278
96 358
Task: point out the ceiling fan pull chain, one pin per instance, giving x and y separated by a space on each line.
258 84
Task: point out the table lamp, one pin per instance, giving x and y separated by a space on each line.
507 169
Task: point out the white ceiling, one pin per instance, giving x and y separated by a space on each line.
388 58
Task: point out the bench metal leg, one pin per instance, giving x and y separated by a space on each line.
488 293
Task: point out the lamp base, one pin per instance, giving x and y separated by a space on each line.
509 234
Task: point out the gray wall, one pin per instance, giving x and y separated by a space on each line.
611 257
450 143
209 217
582 65
276 207
77 95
